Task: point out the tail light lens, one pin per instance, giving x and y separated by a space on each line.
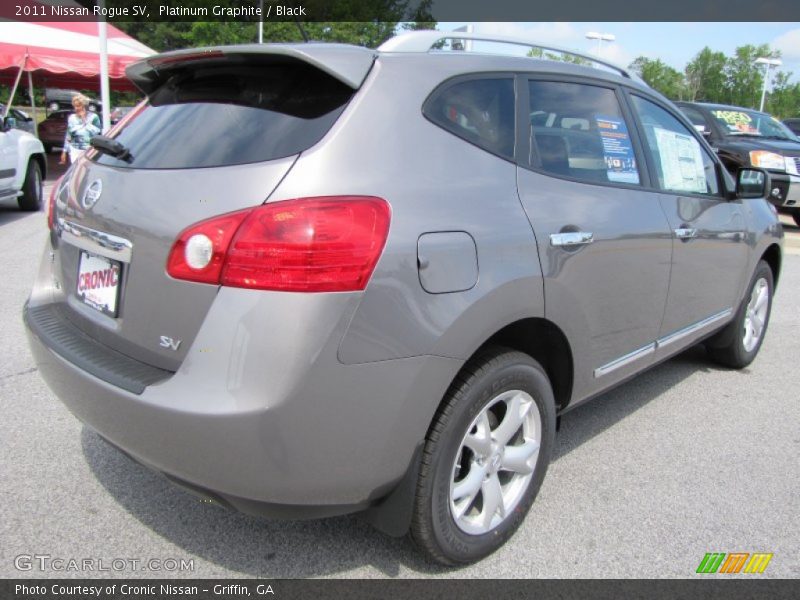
51 204
324 244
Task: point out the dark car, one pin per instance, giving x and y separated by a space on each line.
793 124
53 129
57 99
18 119
743 138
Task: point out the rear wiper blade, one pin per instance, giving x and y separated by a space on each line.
111 147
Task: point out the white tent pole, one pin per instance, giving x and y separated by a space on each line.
104 93
16 83
261 22
33 104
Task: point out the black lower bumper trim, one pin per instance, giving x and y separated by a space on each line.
57 333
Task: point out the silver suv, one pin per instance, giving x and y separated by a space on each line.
309 280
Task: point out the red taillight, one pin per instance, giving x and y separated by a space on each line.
51 204
325 244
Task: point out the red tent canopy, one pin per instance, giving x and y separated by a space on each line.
66 54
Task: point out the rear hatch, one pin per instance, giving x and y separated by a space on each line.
218 132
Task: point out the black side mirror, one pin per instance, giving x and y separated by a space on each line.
752 183
9 123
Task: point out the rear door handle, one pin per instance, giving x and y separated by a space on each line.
572 238
685 233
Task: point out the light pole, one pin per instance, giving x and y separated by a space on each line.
767 62
600 37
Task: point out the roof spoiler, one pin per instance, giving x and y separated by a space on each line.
348 64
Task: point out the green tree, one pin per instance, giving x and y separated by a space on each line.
565 57
784 99
705 76
744 78
660 76
160 36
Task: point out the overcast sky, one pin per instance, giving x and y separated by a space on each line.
674 43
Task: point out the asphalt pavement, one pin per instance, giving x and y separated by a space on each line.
688 458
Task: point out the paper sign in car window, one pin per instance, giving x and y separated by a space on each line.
681 161
617 150
735 120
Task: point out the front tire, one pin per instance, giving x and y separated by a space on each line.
31 199
738 344
485 457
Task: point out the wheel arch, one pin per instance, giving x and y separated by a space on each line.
772 256
547 344
39 158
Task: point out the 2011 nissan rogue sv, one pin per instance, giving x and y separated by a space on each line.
309 280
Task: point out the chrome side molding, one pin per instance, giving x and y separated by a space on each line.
687 331
661 342
624 360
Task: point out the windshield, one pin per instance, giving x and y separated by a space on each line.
750 122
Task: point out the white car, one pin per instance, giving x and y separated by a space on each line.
22 167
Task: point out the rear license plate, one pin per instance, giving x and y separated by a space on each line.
98 282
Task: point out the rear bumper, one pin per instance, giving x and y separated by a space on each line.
261 416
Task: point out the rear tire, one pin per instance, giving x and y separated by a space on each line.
31 199
485 457
738 344
796 217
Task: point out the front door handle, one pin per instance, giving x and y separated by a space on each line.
685 233
571 238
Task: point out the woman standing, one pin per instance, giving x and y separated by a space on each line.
82 125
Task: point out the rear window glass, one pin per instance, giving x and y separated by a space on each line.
230 115
481 111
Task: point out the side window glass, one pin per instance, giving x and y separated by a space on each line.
480 111
696 117
578 131
680 162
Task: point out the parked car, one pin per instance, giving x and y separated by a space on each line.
743 137
793 125
19 120
53 130
380 295
58 99
22 166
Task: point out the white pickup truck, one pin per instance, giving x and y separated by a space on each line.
22 167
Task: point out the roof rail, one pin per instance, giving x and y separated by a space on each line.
425 40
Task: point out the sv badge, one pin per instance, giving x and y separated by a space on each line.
168 342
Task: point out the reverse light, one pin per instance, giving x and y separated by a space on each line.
767 160
199 251
219 232
321 244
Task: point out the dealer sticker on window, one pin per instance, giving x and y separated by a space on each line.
98 283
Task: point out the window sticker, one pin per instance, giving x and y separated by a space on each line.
735 120
681 161
617 150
